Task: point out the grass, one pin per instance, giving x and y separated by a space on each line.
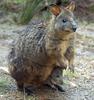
16 1
3 85
91 8
69 73
3 82
30 9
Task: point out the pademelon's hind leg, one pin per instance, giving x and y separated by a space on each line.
25 89
20 86
55 80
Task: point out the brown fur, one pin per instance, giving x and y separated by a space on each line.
37 51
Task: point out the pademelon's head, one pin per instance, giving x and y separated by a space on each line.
63 18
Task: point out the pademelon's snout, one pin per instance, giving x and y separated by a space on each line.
74 26
74 29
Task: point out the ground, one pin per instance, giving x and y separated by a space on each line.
78 86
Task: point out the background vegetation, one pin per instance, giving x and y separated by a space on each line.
26 9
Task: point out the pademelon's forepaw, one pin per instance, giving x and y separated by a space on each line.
49 86
55 87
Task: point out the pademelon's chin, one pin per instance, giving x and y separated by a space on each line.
64 30
65 34
68 31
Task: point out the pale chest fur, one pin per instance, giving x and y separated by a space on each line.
63 46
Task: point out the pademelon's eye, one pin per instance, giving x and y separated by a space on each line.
64 20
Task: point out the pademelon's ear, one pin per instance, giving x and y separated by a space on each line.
71 6
55 9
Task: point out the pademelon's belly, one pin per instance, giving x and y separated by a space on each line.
39 75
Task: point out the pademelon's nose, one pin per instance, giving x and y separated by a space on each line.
74 29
